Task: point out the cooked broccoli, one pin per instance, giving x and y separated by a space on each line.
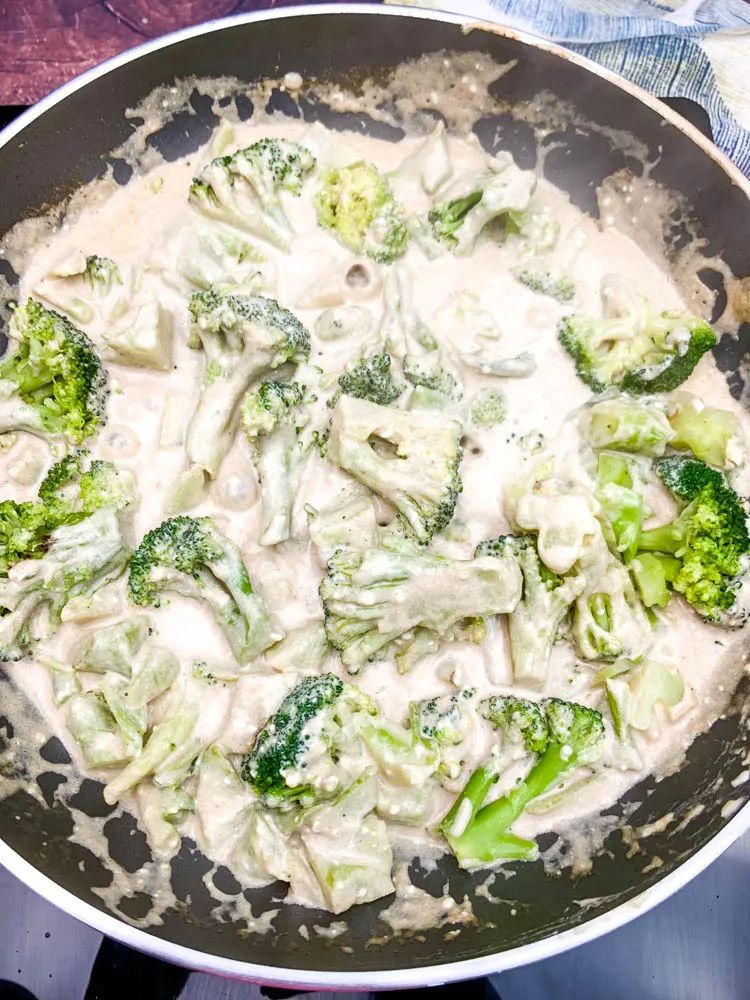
523 365
633 697
653 574
52 382
443 722
410 458
704 430
402 757
273 418
73 488
79 558
623 509
348 847
147 343
638 353
351 523
189 556
402 330
342 321
545 600
428 372
244 188
686 477
609 620
488 407
370 378
294 756
373 596
478 834
101 274
358 206
522 723
624 424
156 671
243 337
472 202
710 540
113 648
562 289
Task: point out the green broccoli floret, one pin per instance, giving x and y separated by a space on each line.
373 596
473 202
371 378
101 274
78 485
442 721
704 430
562 289
710 540
358 206
189 556
73 488
545 600
488 407
52 382
686 477
409 457
273 419
243 337
478 834
522 723
294 755
79 558
24 532
243 189
624 424
427 371
638 353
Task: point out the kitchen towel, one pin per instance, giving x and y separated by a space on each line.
698 49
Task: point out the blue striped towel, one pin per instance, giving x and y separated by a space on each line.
698 49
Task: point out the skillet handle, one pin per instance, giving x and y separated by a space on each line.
121 973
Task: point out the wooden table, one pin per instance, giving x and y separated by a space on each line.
43 43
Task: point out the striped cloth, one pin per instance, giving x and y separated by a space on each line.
698 49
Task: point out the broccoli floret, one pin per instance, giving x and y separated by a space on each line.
472 202
545 600
488 408
443 722
351 523
626 425
710 540
358 206
371 378
243 337
562 289
73 488
24 532
521 722
189 556
410 458
478 834
294 755
373 596
686 477
52 382
639 353
427 371
704 430
273 419
243 189
78 559
101 274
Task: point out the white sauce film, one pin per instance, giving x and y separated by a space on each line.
144 228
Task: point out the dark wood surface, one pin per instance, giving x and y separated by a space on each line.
43 43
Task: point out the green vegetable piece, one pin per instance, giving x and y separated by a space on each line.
704 430
112 648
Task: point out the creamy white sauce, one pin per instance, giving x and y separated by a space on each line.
143 227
